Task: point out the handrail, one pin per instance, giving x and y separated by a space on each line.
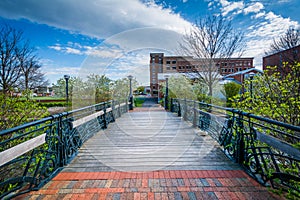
54 141
264 147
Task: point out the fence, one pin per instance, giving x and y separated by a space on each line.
267 149
31 154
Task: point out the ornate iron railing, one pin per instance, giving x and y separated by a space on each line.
267 149
31 154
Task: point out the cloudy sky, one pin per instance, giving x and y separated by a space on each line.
115 37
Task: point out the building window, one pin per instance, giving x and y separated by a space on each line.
168 67
174 67
168 62
173 61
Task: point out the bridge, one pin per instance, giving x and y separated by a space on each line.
193 151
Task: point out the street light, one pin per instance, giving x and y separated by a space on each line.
251 75
167 93
130 92
67 77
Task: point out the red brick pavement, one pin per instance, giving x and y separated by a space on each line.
179 184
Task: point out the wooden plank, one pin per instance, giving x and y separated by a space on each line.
90 117
122 104
87 118
278 144
20 149
150 140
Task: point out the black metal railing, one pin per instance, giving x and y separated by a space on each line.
267 149
33 153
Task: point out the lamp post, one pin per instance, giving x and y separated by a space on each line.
167 93
251 75
130 92
67 77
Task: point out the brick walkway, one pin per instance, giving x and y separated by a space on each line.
174 184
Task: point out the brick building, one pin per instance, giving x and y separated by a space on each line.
187 64
277 59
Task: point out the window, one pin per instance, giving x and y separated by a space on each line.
168 62
174 67
168 67
173 61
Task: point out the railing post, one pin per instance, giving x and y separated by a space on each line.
240 140
195 114
104 117
119 110
185 110
179 108
113 110
61 143
172 106
127 105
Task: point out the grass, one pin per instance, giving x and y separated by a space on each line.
48 98
138 102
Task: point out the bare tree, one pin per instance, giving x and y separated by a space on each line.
10 71
212 40
32 76
290 39
19 67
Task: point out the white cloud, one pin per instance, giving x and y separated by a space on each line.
97 18
262 34
228 7
255 8
258 15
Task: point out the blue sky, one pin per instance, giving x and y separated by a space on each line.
115 37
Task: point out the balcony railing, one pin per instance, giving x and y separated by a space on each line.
267 149
31 154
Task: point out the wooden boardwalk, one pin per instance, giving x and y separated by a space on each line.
149 140
151 154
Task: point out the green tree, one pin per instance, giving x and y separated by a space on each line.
274 96
60 86
120 88
179 87
15 111
140 89
231 89
99 84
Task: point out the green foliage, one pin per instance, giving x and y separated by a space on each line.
138 102
179 87
15 111
231 89
140 89
120 88
275 96
54 104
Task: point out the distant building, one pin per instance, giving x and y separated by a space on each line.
291 56
241 76
186 64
